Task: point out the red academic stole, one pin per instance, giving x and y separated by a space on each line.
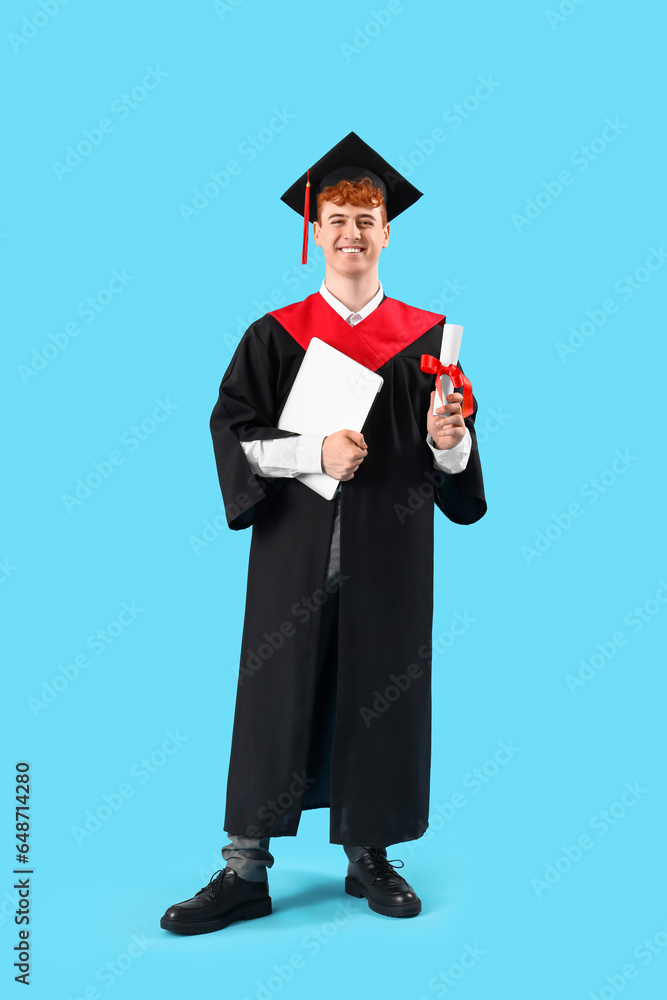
372 342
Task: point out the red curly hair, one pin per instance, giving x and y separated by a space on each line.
360 193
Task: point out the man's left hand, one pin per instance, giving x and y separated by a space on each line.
447 427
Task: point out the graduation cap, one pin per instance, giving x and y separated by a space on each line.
349 160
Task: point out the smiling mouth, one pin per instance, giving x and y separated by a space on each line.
351 250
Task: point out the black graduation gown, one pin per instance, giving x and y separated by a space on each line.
380 759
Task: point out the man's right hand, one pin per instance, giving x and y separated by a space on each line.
343 453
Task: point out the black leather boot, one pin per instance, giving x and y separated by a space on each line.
226 898
387 892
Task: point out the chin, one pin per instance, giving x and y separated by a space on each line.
360 263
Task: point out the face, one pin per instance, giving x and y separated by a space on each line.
351 237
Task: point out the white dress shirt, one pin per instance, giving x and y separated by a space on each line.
291 456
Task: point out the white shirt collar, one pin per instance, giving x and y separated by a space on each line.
352 317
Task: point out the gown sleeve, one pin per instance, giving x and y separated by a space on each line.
460 495
246 410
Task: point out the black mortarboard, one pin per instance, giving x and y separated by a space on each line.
350 159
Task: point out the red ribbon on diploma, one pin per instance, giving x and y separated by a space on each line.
435 366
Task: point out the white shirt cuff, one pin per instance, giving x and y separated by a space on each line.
451 459
288 456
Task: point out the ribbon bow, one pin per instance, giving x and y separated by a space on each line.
458 379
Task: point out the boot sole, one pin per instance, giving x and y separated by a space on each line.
244 911
354 888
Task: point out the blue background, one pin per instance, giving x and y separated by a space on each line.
545 592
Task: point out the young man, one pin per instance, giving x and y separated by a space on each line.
333 704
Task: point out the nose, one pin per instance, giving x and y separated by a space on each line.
352 231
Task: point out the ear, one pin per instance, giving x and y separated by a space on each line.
316 233
386 231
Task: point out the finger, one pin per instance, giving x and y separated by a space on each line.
357 438
454 397
450 433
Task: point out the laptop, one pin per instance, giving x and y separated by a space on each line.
331 392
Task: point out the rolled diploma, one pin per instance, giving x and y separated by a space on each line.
449 355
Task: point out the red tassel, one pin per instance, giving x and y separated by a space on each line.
306 213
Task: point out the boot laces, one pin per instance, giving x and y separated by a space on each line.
213 883
387 867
